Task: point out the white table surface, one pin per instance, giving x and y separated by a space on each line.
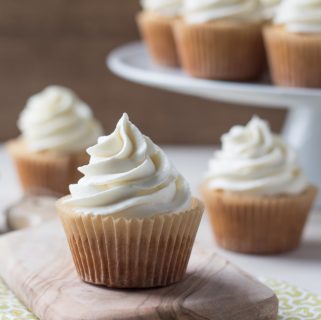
301 267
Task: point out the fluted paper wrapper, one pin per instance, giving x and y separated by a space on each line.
46 172
221 50
158 35
258 225
294 59
131 252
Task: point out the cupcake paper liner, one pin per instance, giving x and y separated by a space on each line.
294 59
157 33
221 50
131 252
46 172
258 225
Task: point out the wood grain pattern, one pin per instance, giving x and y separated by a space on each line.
66 42
37 265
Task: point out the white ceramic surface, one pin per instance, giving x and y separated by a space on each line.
302 128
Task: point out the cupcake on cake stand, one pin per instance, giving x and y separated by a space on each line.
302 128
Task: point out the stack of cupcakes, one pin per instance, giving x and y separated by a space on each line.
257 196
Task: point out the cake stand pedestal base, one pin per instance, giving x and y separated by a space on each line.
302 130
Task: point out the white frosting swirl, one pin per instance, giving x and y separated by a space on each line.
254 160
269 8
201 11
300 16
169 8
128 175
56 119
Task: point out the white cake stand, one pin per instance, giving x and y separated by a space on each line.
302 129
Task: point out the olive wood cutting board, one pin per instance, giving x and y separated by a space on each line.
37 265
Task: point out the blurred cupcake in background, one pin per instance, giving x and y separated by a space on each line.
269 9
294 44
138 218
257 196
56 127
221 39
155 24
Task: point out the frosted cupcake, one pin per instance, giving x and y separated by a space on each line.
221 39
269 9
294 44
131 220
56 127
257 196
155 23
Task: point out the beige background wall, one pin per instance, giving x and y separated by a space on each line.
65 42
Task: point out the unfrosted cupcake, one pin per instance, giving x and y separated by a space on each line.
257 196
294 44
155 23
56 127
221 39
131 220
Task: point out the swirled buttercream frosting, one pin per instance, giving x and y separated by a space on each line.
56 119
202 11
128 175
256 161
269 8
301 16
170 8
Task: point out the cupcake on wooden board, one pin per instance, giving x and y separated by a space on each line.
221 39
257 196
56 127
294 44
131 220
155 23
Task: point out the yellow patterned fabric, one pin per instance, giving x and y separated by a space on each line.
295 303
10 307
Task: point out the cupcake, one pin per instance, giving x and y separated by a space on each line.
155 24
131 220
269 9
56 127
257 196
294 44
221 39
